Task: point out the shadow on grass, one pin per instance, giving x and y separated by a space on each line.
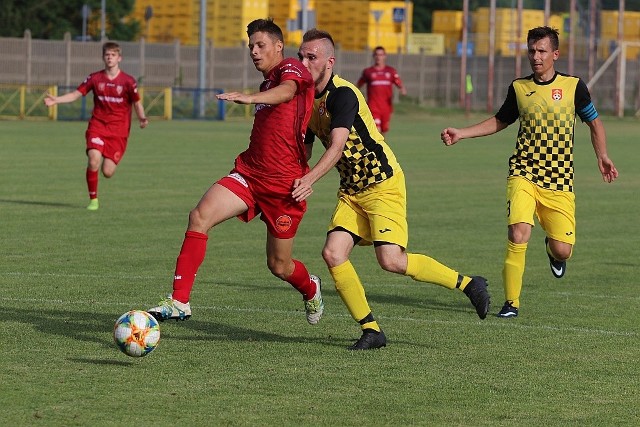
213 331
93 326
461 305
100 361
39 203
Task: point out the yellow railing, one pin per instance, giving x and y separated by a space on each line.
24 102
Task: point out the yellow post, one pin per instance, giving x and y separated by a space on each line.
168 104
53 111
23 97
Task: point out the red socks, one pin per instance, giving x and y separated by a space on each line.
92 183
300 280
191 256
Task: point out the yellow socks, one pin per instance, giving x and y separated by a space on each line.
425 269
352 293
513 271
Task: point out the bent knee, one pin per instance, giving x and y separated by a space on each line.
197 221
560 250
333 258
278 268
562 254
392 265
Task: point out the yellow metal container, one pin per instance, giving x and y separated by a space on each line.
431 44
446 21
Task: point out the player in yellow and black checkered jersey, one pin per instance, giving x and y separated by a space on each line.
541 167
372 207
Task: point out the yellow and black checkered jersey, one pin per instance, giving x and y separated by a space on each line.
366 158
547 113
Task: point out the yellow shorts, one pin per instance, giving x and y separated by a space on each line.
376 214
556 210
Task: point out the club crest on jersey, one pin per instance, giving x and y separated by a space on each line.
283 223
322 108
119 89
556 94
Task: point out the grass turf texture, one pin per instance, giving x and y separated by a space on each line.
247 356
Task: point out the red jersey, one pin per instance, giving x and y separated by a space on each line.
112 101
380 87
276 147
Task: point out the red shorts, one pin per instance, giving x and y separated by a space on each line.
111 147
271 199
382 119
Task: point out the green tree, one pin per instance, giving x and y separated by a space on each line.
51 19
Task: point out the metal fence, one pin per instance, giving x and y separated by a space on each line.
430 80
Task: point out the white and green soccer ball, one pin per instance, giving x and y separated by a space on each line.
136 333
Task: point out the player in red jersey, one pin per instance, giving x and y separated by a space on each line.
114 92
262 179
380 79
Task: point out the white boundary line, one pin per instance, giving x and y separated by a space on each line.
563 292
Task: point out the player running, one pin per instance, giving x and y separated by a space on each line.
114 93
380 79
541 168
262 179
372 203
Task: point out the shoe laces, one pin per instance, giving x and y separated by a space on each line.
167 304
312 305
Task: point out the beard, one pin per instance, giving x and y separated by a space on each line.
321 76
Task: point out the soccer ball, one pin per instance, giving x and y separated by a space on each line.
136 333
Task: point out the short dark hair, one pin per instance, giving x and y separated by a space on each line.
316 34
265 26
539 33
379 48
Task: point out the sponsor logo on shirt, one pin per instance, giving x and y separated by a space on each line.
381 83
111 99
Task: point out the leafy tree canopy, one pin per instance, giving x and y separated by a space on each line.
51 19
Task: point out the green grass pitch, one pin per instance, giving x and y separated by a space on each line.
247 356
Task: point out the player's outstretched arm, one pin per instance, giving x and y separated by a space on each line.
284 92
450 136
50 100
